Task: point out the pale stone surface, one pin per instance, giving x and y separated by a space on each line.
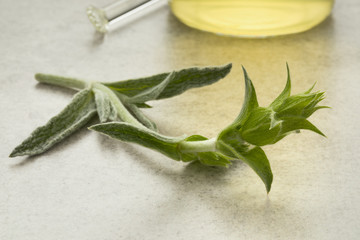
92 187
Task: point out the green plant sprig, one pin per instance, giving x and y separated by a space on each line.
118 108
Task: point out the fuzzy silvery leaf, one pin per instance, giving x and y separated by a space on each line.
60 81
129 133
152 93
75 115
105 108
139 115
185 79
168 146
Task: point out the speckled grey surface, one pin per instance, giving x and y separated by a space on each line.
92 187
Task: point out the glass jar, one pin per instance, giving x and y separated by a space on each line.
252 18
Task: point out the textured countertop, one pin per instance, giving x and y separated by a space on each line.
93 187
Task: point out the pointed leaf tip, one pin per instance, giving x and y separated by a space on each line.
310 89
288 71
268 188
286 92
12 154
287 67
37 75
242 66
249 86
245 72
287 88
75 115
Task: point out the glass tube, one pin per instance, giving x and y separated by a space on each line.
117 14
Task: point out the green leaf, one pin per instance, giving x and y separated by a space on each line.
310 89
75 115
258 129
139 115
152 93
299 105
233 146
250 101
295 124
311 107
184 79
231 143
105 108
129 133
257 160
285 93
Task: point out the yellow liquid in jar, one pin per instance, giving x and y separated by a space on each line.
252 18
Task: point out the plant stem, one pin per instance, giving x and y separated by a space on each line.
61 81
198 146
123 113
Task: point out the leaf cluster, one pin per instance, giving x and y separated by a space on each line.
118 107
